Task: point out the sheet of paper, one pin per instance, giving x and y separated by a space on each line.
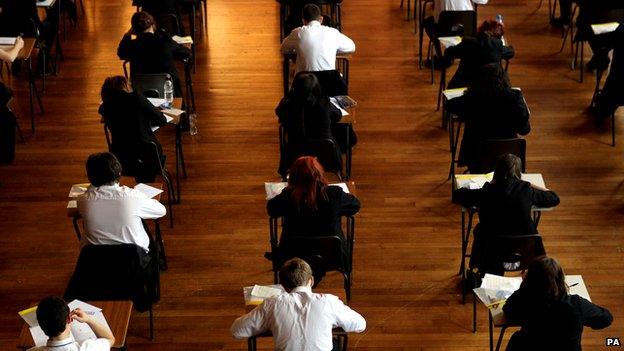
344 186
602 28
264 291
274 189
72 204
342 111
577 286
45 3
7 41
495 290
182 40
172 112
29 315
450 94
254 300
88 308
157 101
448 42
38 336
534 178
148 190
78 189
472 181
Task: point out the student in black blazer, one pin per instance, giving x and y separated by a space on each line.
153 51
504 206
592 12
611 96
486 48
551 318
491 109
306 113
130 117
310 206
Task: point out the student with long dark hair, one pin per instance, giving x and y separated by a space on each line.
310 206
552 319
486 48
504 206
491 109
306 113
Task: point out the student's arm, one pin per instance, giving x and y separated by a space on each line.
150 208
153 114
520 113
544 198
276 207
594 316
124 50
334 113
100 331
515 307
346 318
467 197
253 323
289 45
456 51
11 54
349 204
179 51
508 52
345 44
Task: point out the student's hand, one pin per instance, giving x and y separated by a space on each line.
19 43
80 316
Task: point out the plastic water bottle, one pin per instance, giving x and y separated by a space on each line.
193 124
169 92
499 18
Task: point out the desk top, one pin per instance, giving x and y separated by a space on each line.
339 55
24 54
273 189
46 3
117 315
476 181
576 286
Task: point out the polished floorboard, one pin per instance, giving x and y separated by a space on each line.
407 234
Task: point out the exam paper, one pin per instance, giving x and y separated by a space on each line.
274 189
448 42
78 189
603 28
182 40
157 101
148 190
264 291
7 41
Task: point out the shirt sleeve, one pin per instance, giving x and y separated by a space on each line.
523 127
346 318
95 345
253 323
515 307
594 316
155 117
124 51
150 208
289 44
349 204
345 44
276 207
545 199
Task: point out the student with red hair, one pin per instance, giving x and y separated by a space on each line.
310 206
486 48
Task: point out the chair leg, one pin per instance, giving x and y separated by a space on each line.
170 196
474 312
500 337
151 323
347 285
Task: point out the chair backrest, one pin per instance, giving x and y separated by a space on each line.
107 134
141 160
490 150
332 83
450 19
170 23
114 272
324 250
150 85
327 152
512 253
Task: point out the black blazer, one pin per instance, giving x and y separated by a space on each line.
612 94
552 325
505 208
130 117
499 117
16 16
475 53
153 53
590 12
322 222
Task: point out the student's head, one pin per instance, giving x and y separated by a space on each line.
508 166
103 169
306 88
113 85
142 22
311 12
307 182
294 273
490 81
545 279
53 315
6 94
491 28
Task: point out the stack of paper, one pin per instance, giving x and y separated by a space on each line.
473 181
255 295
79 331
7 41
450 94
78 189
495 290
274 189
183 40
448 42
603 28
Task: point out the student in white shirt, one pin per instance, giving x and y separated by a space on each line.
55 318
299 320
315 45
112 213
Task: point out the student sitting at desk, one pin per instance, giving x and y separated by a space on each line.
113 213
299 319
310 206
55 318
551 318
129 115
504 206
486 48
491 109
611 97
153 51
308 114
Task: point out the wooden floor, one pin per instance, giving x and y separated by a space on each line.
407 241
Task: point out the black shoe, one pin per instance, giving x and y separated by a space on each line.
269 256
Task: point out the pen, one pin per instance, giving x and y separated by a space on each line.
575 284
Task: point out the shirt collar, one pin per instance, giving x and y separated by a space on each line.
314 23
304 289
62 342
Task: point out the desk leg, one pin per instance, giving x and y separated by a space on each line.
349 152
500 337
491 323
179 161
160 246
440 89
193 29
32 92
463 231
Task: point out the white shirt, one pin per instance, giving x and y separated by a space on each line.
70 345
316 46
454 5
299 320
112 215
